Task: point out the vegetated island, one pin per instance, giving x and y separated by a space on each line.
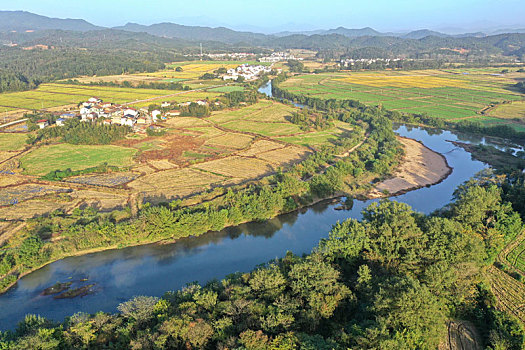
420 167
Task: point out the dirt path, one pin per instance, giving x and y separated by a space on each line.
420 167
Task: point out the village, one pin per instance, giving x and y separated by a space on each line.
246 72
95 110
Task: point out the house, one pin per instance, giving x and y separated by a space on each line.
85 110
142 120
184 104
131 111
94 100
155 114
68 115
127 120
107 122
165 104
116 119
173 113
60 121
201 102
42 123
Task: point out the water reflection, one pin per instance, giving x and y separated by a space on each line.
154 269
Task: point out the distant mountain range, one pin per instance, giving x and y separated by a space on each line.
196 33
27 30
22 21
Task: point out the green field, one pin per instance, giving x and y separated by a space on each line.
76 157
12 142
227 89
453 94
515 110
56 95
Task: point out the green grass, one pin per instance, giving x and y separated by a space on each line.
12 142
76 157
196 155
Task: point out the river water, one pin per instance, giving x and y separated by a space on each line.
119 275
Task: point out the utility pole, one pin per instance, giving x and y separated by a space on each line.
201 51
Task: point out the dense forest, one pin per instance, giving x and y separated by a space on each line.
26 69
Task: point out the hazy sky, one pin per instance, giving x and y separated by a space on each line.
277 15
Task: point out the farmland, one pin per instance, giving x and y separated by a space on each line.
231 147
12 142
516 257
75 157
452 94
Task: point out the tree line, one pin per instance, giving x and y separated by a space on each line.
26 69
321 175
389 281
82 133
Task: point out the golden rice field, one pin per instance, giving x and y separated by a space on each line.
191 70
403 81
452 94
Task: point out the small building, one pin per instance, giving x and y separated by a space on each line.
173 113
155 115
107 122
116 119
131 111
60 121
165 104
42 123
142 120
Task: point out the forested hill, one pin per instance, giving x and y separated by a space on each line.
507 44
22 21
196 33
171 35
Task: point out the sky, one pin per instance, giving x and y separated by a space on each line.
278 15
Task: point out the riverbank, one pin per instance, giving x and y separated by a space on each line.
420 167
121 274
491 155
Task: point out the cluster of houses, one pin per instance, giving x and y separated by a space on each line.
114 114
348 62
278 57
96 110
231 56
248 72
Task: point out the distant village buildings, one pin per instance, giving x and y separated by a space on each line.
278 57
248 72
349 62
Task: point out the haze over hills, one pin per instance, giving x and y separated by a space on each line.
365 42
26 21
23 21
172 30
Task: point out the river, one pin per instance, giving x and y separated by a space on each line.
119 275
